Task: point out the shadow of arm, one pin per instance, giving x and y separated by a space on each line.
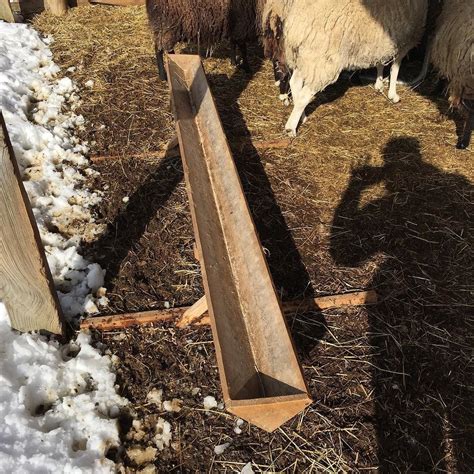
352 241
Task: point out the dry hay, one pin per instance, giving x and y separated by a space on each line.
369 194
124 100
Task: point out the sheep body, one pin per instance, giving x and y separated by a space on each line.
207 22
452 53
323 37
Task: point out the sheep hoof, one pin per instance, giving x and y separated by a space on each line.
244 66
291 132
395 98
285 99
277 83
378 86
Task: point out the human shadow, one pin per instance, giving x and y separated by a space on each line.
419 333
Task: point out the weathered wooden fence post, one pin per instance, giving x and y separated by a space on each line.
26 284
56 7
6 11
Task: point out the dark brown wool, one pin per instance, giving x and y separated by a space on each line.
205 21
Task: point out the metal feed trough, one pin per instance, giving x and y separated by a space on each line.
260 375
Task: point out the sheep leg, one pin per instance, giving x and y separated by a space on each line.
276 72
233 54
302 96
284 88
285 76
392 91
282 81
467 132
161 63
245 60
379 82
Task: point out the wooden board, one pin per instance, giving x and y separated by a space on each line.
119 3
56 7
197 313
261 378
27 288
29 8
6 13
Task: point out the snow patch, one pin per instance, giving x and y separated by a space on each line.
39 114
174 405
162 434
247 469
155 396
209 402
55 404
219 449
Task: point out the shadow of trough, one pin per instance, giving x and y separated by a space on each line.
130 224
290 276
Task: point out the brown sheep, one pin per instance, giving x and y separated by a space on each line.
205 22
452 53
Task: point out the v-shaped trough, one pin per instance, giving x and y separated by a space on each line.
259 371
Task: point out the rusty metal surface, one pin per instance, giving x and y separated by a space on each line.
260 375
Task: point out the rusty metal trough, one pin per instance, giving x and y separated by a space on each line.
260 375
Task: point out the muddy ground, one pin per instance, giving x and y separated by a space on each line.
369 195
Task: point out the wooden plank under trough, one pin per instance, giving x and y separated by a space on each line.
119 3
261 378
26 285
197 313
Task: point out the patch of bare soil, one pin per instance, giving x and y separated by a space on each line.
182 363
369 195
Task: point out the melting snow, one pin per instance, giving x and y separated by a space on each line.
57 403
209 402
38 112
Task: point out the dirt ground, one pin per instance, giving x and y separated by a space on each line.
369 195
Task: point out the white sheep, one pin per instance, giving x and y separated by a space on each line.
321 38
452 53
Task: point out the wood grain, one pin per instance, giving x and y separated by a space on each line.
261 378
121 321
26 285
56 7
6 11
193 313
